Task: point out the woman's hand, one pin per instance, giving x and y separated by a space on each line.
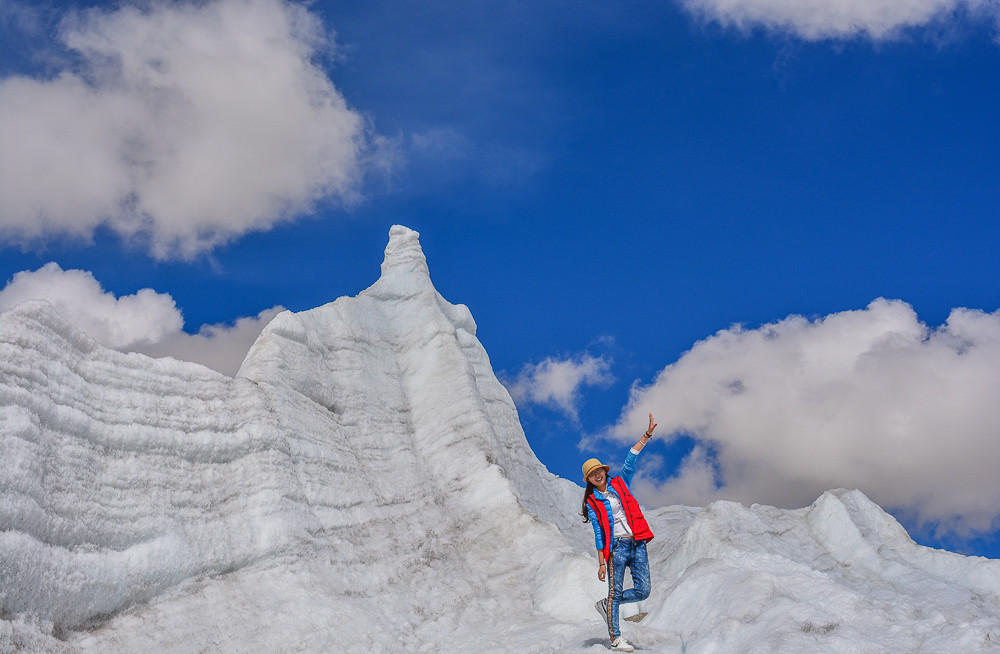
652 426
601 571
648 434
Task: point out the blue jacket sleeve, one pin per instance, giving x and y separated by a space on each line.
598 539
628 468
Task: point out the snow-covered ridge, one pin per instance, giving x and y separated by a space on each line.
363 484
838 576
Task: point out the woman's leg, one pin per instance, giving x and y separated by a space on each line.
620 555
638 564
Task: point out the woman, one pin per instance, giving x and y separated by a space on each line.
620 533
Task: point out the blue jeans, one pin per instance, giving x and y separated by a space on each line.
629 553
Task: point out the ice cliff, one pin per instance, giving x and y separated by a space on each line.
363 484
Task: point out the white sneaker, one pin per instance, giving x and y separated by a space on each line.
621 645
602 608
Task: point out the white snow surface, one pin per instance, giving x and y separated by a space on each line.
363 485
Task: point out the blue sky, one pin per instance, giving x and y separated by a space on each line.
610 187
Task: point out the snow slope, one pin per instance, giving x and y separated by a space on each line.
363 484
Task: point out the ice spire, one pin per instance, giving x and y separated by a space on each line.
404 269
403 251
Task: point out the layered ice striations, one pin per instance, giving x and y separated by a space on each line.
365 441
363 484
109 463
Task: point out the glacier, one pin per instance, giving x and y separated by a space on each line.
363 484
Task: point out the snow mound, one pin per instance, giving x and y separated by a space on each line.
838 576
363 484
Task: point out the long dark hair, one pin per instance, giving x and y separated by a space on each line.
583 509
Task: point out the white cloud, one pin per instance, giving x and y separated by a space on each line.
556 383
694 485
838 19
870 399
221 347
184 125
147 322
121 323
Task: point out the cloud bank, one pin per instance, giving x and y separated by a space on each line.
147 322
182 125
832 19
556 383
871 399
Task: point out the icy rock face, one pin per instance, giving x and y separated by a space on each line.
365 449
109 461
399 359
363 485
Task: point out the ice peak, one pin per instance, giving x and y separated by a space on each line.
404 270
403 256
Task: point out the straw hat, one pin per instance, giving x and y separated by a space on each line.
591 465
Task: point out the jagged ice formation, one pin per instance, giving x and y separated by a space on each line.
363 484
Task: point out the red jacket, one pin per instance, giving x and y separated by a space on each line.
636 521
